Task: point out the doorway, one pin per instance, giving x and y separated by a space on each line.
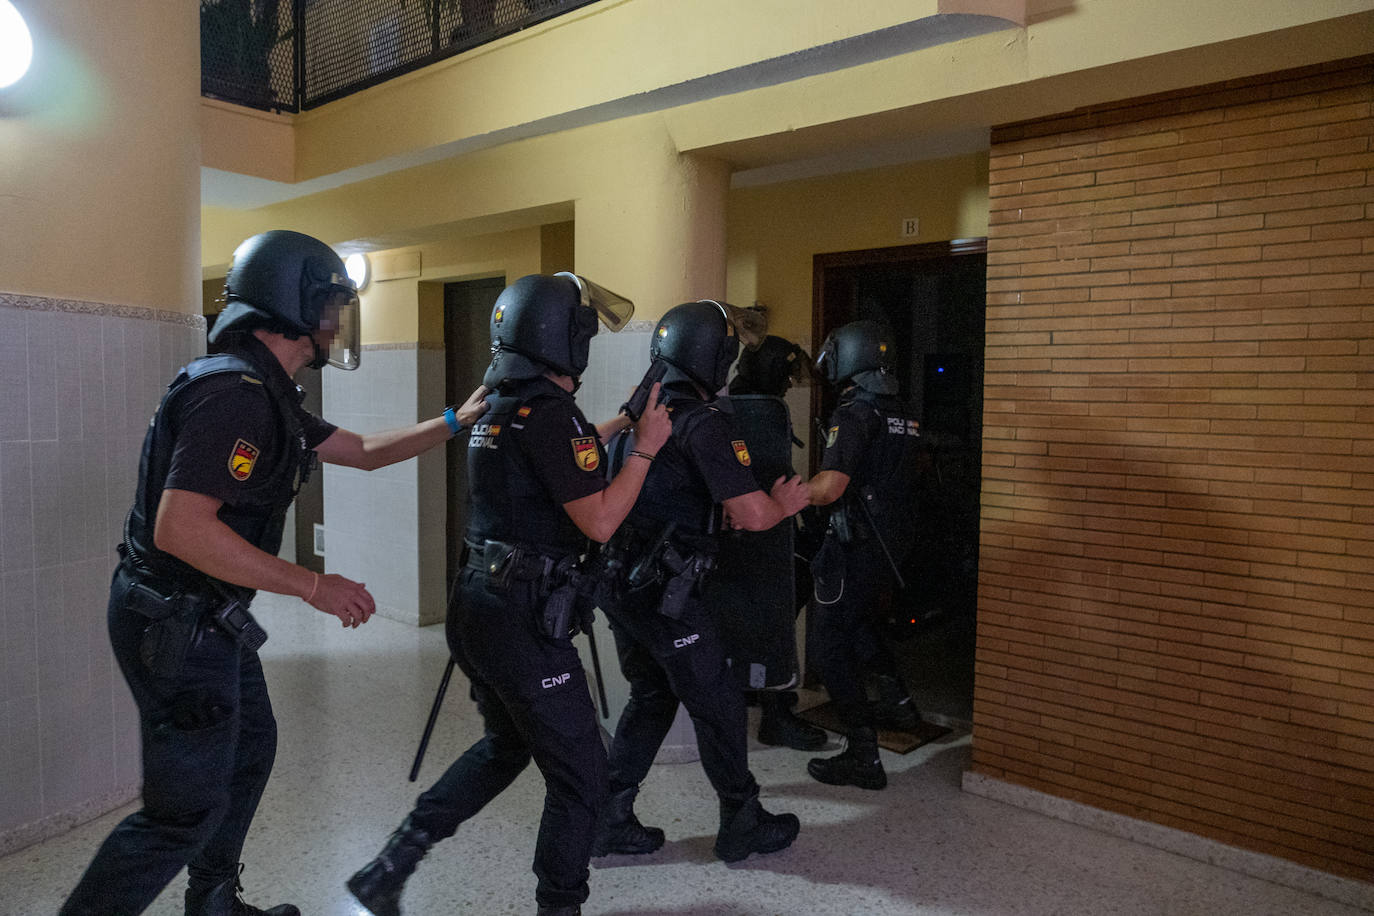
933 297
467 353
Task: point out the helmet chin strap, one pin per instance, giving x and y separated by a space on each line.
321 356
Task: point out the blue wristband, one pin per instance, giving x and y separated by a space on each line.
451 418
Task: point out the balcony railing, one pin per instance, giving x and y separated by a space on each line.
293 55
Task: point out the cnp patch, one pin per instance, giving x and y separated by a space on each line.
831 436
242 459
523 411
585 453
741 451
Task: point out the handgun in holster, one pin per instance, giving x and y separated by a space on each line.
570 594
687 573
646 570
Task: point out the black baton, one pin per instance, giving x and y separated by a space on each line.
433 715
596 668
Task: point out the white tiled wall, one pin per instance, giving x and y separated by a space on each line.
372 519
80 382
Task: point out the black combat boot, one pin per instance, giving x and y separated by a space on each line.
379 883
619 832
745 827
858 765
220 897
780 728
894 709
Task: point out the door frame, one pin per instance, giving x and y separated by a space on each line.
875 257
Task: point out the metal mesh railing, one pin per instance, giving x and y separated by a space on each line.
248 53
290 55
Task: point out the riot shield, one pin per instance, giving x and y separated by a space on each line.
751 590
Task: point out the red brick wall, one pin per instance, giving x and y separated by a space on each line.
1176 594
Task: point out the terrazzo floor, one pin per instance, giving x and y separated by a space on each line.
351 706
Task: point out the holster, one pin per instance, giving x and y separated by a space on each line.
174 618
665 559
564 592
828 570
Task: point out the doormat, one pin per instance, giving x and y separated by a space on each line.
827 718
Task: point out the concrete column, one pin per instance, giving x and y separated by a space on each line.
656 231
658 235
99 302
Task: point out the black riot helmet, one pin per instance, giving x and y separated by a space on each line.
295 285
772 367
861 352
697 340
542 323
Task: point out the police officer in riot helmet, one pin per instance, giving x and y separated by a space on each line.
770 369
668 644
538 494
224 456
867 476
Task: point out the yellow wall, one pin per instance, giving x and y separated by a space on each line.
410 309
649 221
774 231
1071 53
99 188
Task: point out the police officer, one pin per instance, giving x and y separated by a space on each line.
667 642
538 492
868 473
770 369
224 456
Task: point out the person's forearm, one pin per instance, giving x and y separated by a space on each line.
826 487
377 450
386 448
217 550
605 431
600 514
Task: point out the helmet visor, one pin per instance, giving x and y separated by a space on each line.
613 309
825 362
339 332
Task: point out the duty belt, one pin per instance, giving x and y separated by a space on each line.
504 562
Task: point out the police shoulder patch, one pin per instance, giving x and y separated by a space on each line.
242 459
741 451
585 453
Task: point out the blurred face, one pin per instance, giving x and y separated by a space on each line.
337 336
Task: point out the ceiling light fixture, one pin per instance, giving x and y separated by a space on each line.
16 45
357 266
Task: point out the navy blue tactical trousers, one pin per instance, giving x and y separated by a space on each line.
843 640
209 739
667 661
533 697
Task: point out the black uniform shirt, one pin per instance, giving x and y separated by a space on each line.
703 463
562 448
875 442
532 453
852 443
229 440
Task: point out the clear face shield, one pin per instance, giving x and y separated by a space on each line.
612 309
336 342
825 361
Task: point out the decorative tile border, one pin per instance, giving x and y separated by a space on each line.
403 345
26 835
1180 842
81 307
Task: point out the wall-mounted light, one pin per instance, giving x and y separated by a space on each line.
16 45
358 267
